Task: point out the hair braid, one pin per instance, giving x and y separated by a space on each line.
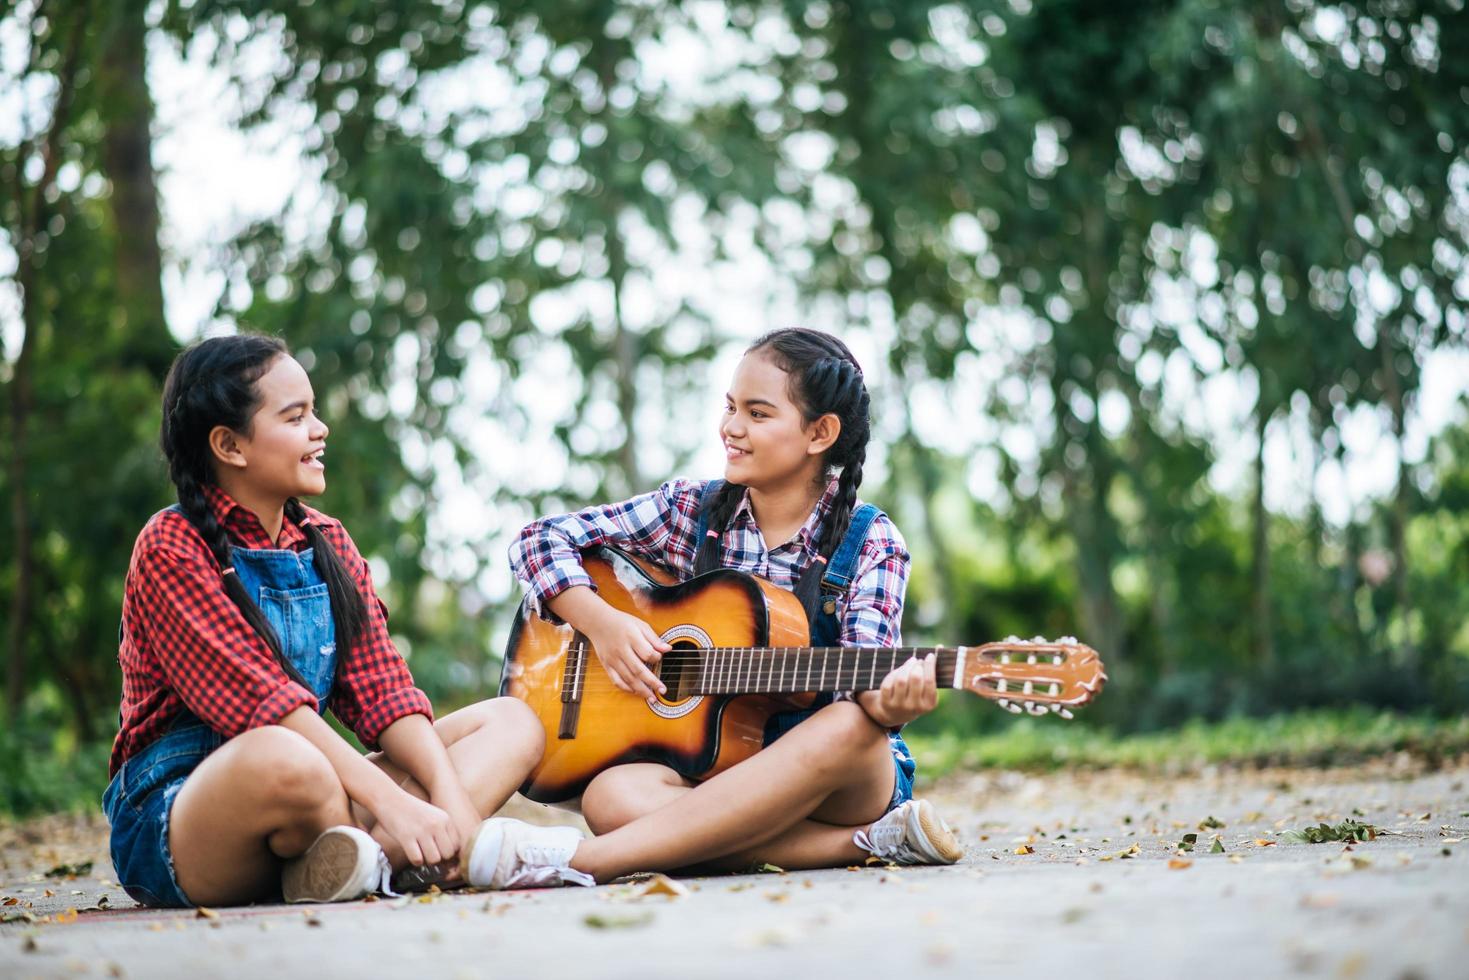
717 512
213 383
349 612
826 379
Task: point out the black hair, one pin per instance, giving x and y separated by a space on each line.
824 379
210 384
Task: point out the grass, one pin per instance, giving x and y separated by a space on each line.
49 773
1306 738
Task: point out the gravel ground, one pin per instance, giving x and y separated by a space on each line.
1069 872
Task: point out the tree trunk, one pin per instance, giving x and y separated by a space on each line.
21 401
127 158
1398 515
1262 638
33 217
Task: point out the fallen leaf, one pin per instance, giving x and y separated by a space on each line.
1178 864
65 918
1024 849
662 885
70 870
629 920
205 913
777 869
1211 823
1217 847
1262 842
1188 842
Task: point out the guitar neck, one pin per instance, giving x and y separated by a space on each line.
793 670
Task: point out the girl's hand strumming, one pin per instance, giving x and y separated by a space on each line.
627 646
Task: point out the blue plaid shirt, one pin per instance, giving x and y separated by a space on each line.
661 527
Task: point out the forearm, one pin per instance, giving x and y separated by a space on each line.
579 605
412 745
364 782
871 702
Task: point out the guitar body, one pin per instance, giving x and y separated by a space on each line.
590 725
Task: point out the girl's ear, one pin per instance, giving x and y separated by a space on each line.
823 434
224 446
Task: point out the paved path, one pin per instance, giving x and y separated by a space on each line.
1101 892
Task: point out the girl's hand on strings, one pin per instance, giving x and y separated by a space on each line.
627 647
426 833
907 693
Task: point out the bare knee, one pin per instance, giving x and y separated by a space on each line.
835 738
616 797
286 770
510 727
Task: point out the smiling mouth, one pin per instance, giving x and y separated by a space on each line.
314 459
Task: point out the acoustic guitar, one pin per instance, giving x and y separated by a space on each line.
740 654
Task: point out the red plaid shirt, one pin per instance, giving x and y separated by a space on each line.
186 645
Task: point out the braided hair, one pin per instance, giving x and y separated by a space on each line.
824 379
210 384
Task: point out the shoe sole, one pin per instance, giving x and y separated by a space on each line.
327 872
945 846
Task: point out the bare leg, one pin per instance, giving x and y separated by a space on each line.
628 792
263 797
834 768
493 745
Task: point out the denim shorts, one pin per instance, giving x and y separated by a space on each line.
904 766
138 802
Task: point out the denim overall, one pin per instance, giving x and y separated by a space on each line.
137 802
826 631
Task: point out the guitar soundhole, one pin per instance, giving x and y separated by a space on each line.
678 671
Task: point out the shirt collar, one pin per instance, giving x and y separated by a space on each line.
743 513
241 524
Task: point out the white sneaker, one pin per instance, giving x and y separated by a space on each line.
911 834
509 853
343 864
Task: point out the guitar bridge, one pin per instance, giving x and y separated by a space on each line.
572 682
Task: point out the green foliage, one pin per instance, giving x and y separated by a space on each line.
1060 221
1347 830
1310 738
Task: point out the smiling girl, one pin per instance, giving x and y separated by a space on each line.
246 615
834 783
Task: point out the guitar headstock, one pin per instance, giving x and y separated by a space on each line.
1037 676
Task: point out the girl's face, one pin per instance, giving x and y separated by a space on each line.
767 442
281 455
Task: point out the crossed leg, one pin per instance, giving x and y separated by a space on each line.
795 803
266 794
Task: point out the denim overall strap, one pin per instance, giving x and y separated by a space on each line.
296 602
701 526
840 571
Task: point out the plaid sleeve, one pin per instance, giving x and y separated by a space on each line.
374 687
873 615
210 656
657 526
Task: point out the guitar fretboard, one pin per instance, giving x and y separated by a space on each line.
793 670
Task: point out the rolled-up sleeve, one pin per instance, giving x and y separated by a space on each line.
547 554
873 614
223 670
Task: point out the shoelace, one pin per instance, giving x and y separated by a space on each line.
385 875
887 839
